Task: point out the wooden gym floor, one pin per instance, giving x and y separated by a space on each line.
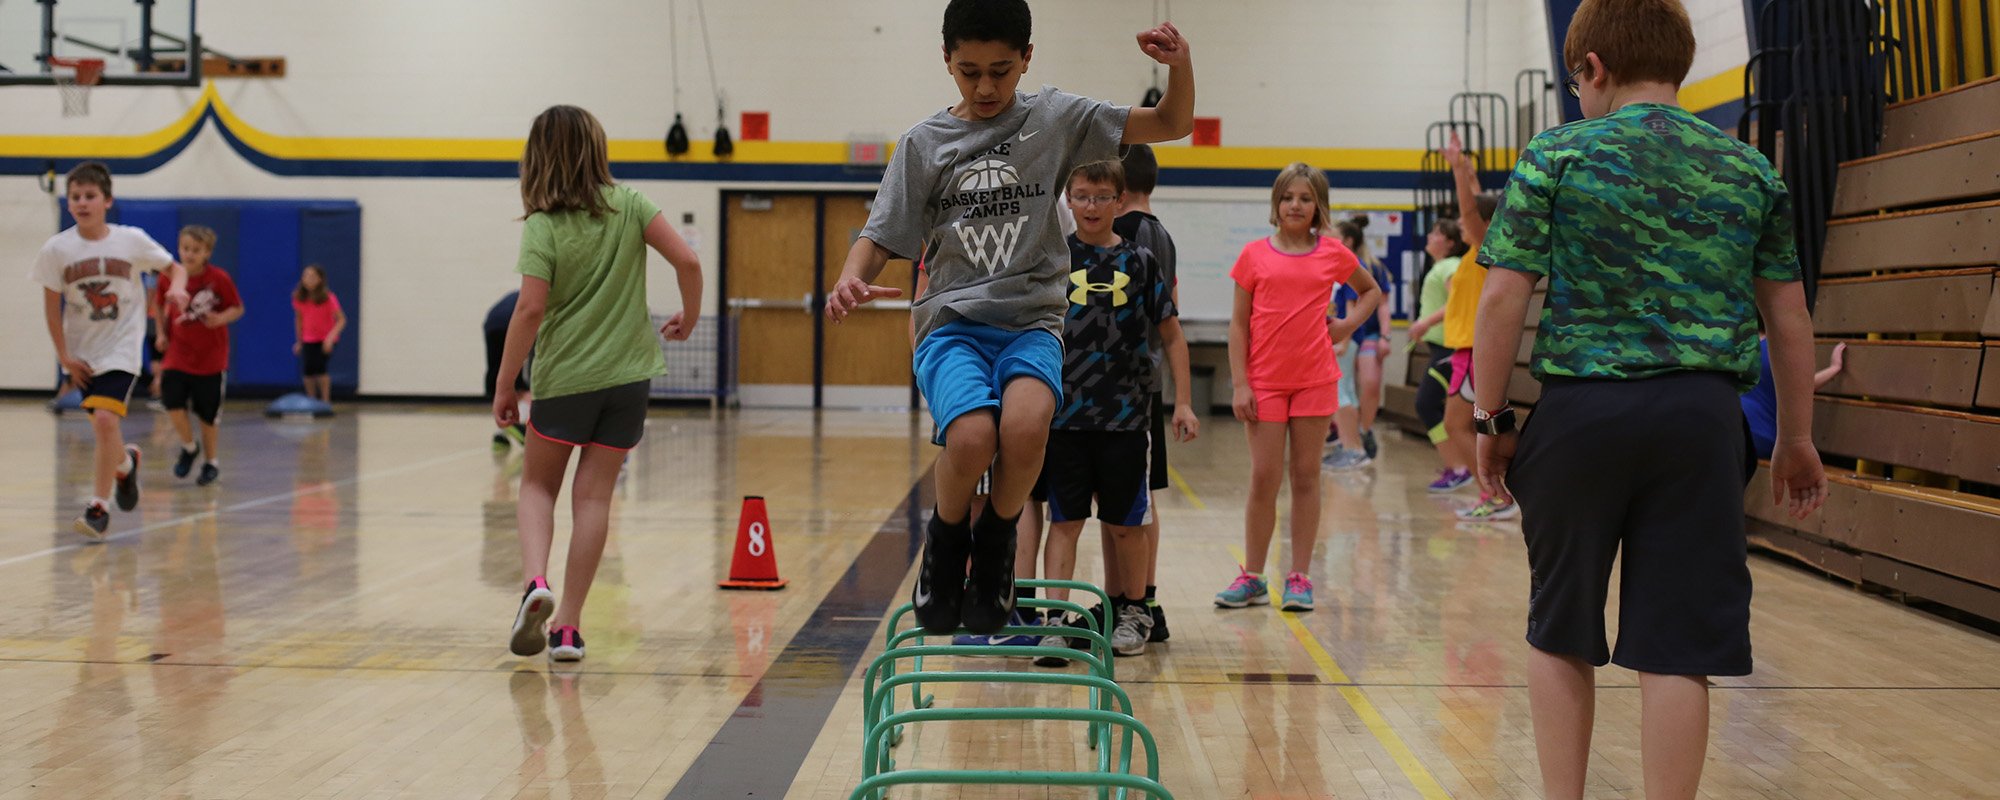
330 622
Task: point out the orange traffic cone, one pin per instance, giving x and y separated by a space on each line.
755 565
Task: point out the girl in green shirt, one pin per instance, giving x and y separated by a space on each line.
583 310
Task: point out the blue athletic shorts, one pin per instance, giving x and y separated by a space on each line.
964 366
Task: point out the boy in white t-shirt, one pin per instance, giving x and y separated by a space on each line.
95 304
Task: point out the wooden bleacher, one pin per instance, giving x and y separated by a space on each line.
1909 284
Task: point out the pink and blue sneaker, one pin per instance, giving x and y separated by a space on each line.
1248 589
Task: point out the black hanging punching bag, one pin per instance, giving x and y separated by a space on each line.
677 138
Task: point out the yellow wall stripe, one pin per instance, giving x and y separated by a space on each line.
1699 96
333 148
68 146
1715 90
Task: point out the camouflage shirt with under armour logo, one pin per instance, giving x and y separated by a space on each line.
1651 226
1117 296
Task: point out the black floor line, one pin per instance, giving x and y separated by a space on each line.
758 751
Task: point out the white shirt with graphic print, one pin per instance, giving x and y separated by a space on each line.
104 300
977 201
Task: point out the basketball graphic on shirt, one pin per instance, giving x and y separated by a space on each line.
990 173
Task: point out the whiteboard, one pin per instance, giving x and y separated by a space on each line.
1208 235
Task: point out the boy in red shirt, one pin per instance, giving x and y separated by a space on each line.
196 347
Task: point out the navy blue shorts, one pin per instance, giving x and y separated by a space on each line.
963 367
1111 467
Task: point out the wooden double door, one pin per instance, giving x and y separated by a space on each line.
782 251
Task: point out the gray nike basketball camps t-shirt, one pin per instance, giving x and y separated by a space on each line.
976 201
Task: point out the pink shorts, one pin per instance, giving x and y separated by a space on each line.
1461 374
1284 405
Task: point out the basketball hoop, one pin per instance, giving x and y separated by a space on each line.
74 78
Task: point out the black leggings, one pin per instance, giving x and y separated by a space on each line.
1432 388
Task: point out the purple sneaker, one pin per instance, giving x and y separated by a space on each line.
1451 480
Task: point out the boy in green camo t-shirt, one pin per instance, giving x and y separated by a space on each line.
1661 240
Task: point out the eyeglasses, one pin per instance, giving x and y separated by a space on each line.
1099 200
1576 90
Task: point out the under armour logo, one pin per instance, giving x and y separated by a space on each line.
1084 288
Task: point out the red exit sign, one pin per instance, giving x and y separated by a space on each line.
867 153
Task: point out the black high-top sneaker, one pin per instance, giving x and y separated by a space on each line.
940 590
989 597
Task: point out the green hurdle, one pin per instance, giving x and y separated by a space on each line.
1110 706
1096 718
876 753
917 700
873 787
875 707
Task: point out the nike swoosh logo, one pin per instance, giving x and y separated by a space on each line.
1026 135
923 595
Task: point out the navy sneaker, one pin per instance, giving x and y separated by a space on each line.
128 483
1159 633
940 591
184 463
209 472
93 522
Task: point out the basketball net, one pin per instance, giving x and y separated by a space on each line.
74 78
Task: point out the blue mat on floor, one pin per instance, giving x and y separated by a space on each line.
297 405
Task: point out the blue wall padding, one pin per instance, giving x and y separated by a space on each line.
264 244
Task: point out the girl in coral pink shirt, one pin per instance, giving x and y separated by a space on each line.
1281 359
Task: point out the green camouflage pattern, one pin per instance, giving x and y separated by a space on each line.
1650 226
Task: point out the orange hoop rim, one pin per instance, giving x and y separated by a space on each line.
88 70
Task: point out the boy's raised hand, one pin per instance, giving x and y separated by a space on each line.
1454 151
851 292
1165 44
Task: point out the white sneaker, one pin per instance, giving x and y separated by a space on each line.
1056 652
1135 626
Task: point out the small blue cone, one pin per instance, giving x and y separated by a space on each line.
71 400
297 404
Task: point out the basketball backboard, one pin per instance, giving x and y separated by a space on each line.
142 42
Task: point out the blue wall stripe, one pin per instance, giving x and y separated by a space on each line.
709 172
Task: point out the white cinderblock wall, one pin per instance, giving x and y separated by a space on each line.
1305 73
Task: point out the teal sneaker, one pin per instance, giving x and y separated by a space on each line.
1247 590
1298 593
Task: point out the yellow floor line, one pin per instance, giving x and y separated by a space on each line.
1330 671
1186 490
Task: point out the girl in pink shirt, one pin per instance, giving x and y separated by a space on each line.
318 322
1281 337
